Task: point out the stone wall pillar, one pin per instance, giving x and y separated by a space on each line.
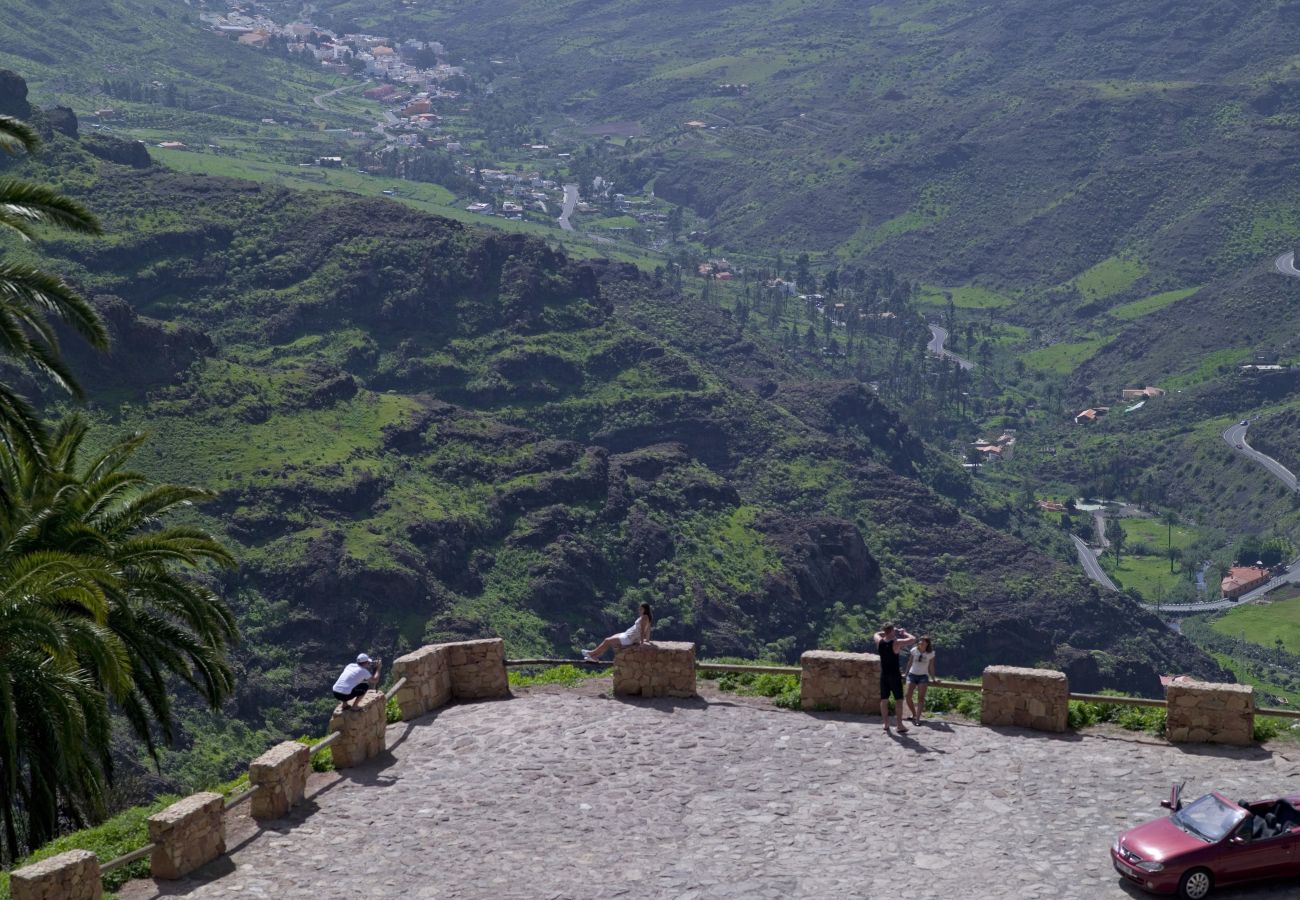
69 876
428 681
188 834
658 669
477 669
1200 712
1030 698
361 730
849 682
281 777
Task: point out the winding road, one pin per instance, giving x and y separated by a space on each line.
570 201
1092 565
938 336
1285 264
1235 437
319 99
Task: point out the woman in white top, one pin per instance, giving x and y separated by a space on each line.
639 633
920 670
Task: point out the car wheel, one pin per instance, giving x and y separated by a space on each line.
1195 884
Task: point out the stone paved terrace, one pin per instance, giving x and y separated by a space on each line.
571 794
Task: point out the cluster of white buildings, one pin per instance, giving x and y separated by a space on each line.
376 56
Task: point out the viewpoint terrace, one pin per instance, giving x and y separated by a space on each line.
581 794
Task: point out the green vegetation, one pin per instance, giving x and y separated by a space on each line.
1147 305
119 835
566 675
1131 718
1064 358
1264 624
782 690
1109 277
965 297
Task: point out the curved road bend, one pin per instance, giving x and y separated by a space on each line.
570 201
1285 265
1091 565
938 336
319 99
1235 437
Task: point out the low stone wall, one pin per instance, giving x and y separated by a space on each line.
477 669
69 876
361 730
849 682
189 834
658 669
281 777
1201 712
428 681
1030 698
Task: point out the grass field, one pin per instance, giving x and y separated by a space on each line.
1148 305
1109 277
1148 573
1062 359
1264 624
966 297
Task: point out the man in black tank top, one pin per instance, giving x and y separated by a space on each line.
889 641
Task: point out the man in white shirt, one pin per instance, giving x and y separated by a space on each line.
357 678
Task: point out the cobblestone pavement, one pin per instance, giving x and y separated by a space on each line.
555 794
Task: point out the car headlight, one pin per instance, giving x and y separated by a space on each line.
1151 866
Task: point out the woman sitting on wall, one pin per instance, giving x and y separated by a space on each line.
639 633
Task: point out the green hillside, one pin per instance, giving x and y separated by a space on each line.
1034 143
422 431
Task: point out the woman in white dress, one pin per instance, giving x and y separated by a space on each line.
639 633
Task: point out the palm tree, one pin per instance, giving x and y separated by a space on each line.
29 296
110 614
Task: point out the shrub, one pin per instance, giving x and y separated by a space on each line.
121 834
567 675
783 690
321 760
1267 728
392 711
964 703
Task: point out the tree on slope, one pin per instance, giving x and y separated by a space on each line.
29 297
149 619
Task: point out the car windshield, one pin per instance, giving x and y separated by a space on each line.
1209 817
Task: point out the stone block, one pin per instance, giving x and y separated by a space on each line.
849 682
1201 712
281 777
361 730
188 834
69 876
477 669
1030 698
656 669
428 681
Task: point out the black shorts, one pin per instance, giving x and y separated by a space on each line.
358 691
891 682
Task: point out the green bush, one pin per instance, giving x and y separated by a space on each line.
321 760
964 703
783 690
392 711
1131 718
567 675
1267 728
121 834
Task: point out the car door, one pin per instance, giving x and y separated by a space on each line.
1243 859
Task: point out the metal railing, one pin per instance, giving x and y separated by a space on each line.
234 799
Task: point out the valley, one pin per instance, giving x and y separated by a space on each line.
787 318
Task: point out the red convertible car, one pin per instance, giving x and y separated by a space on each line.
1210 842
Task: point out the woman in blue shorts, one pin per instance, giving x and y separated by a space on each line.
920 670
